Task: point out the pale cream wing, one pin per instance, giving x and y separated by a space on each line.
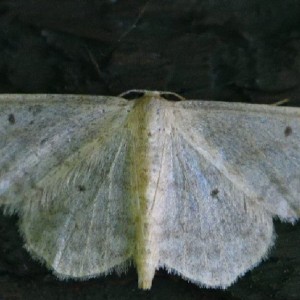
256 147
64 168
211 232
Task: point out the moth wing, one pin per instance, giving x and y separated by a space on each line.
211 232
63 168
231 168
257 147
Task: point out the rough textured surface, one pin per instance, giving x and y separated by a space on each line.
241 51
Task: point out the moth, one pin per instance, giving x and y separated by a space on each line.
100 182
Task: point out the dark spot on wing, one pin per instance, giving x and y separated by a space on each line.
288 131
43 141
81 188
214 193
11 119
245 206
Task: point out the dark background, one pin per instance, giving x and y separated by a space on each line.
245 51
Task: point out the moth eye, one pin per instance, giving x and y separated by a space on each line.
171 96
133 95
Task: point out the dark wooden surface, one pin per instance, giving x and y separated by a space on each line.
246 51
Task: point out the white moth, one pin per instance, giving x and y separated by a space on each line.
190 186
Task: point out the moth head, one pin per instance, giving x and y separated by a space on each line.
136 94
